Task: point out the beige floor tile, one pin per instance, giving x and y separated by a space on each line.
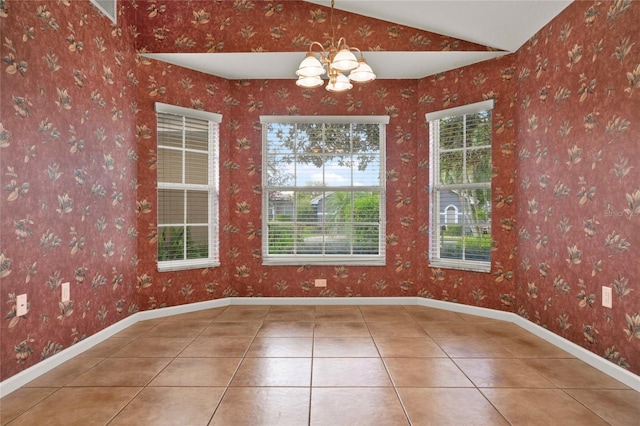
338 314
286 329
385 313
341 329
356 406
530 346
86 406
291 313
243 313
153 347
573 373
285 372
122 372
281 347
342 347
472 347
408 347
202 315
106 348
170 406
349 372
65 373
229 347
231 328
478 320
263 406
426 373
212 372
397 328
502 373
177 329
448 329
138 329
21 400
618 407
540 407
424 314
324 365
448 406
382 309
502 330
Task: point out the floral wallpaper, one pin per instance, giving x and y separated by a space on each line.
578 178
242 103
78 166
287 26
68 177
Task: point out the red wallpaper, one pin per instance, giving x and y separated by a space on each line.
578 183
172 26
69 163
565 171
172 85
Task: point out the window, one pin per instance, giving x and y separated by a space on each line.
323 198
187 188
460 182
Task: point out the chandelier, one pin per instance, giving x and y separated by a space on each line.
335 61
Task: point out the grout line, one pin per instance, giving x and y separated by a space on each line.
244 356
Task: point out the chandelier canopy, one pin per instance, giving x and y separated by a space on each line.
335 61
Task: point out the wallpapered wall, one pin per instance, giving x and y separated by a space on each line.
530 274
242 103
578 183
68 179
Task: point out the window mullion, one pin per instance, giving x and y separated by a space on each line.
463 200
184 192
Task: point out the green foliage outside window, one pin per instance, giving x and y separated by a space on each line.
171 245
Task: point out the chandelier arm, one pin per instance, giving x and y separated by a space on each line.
357 50
335 60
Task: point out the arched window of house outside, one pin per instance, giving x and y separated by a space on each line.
451 214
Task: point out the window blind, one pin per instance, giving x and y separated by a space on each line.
460 187
323 198
187 191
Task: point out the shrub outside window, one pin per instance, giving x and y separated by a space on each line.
323 199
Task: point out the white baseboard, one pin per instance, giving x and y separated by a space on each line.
15 382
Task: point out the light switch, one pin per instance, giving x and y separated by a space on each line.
66 292
21 304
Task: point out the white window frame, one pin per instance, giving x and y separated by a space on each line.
326 259
212 187
436 222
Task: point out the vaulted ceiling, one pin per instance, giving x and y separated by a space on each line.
503 26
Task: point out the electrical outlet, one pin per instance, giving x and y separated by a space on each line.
607 297
321 282
21 305
66 292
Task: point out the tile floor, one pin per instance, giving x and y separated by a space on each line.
323 365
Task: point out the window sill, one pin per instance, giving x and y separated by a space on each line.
471 266
182 265
325 261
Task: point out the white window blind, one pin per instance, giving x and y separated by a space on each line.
323 190
187 167
460 187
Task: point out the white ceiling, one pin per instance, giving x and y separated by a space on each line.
501 24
